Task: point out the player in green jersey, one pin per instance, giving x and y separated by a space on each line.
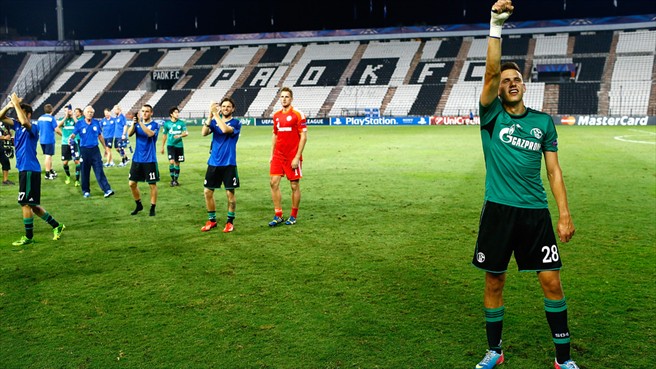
515 216
174 130
70 150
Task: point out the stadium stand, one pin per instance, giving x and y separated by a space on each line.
612 74
176 58
96 60
592 42
195 77
169 99
9 67
449 48
120 60
589 69
80 60
353 100
275 54
403 100
516 46
211 56
96 84
147 59
243 98
571 96
309 99
130 100
550 45
641 41
427 99
129 80
72 82
262 102
429 51
35 68
107 100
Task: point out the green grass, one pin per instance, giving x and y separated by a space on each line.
376 274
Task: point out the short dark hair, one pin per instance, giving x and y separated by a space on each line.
229 99
27 108
510 65
47 108
148 106
173 109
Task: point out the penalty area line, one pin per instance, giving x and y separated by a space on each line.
624 139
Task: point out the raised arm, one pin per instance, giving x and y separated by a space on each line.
131 128
208 122
20 113
501 10
3 115
226 129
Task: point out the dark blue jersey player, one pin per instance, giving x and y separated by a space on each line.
29 169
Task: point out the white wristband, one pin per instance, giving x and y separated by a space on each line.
496 23
495 31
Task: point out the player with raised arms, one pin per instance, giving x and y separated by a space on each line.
29 170
222 163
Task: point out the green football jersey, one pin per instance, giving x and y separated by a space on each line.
67 130
513 146
173 129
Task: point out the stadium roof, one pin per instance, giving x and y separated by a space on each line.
97 19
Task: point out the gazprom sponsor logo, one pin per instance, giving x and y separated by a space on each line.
506 136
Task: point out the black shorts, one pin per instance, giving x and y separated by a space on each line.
118 142
215 176
4 160
109 142
29 188
48 149
526 232
144 172
175 153
67 154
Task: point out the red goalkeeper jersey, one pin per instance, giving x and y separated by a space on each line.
288 127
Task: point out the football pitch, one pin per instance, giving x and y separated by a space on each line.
375 274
